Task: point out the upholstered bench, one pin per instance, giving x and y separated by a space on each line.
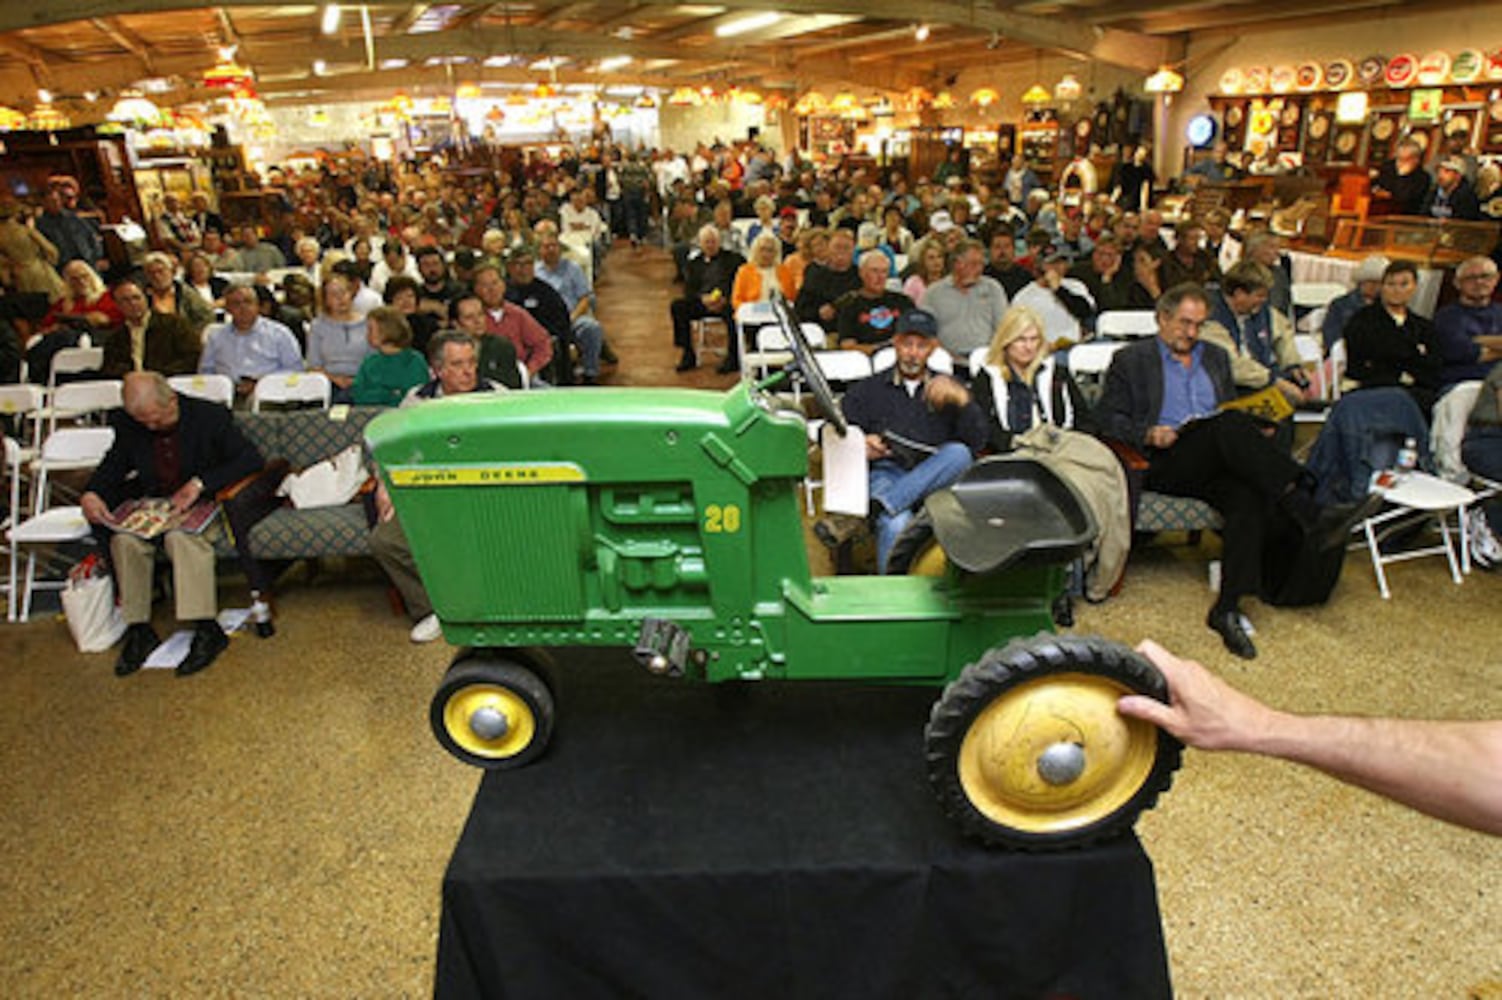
271 529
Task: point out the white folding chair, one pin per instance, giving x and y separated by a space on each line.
292 387
1335 368
214 388
701 328
1126 323
750 319
1310 297
772 349
526 376
1420 496
1088 362
844 366
74 361
978 359
940 360
77 400
24 404
68 448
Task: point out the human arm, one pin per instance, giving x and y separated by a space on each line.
747 286
537 345
1451 770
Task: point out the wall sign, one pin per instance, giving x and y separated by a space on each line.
1424 104
1402 70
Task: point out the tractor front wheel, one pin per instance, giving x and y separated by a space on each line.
492 713
1026 749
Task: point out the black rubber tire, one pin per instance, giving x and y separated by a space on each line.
1002 669
477 669
910 544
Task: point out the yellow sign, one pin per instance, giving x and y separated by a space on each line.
543 474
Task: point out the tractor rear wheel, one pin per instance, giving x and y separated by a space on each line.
492 713
1026 750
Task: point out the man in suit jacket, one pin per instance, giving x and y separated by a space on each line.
1162 395
148 340
183 449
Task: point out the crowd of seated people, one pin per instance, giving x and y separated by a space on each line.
365 267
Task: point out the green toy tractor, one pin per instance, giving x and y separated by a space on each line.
668 521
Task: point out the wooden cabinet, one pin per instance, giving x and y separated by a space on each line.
100 163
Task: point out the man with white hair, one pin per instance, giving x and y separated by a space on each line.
709 277
869 317
1469 330
184 450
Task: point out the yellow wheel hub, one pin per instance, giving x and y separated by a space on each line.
1052 754
489 720
929 562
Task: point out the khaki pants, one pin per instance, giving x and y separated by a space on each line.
388 543
193 582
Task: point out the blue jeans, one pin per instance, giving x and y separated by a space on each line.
590 338
896 491
1482 454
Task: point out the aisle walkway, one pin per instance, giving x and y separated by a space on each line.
634 294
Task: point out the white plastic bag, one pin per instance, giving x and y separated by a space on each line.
89 604
329 483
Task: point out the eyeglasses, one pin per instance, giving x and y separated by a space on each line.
1479 276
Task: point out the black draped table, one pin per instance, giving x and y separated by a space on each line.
772 840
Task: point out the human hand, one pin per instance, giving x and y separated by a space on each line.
95 510
1203 711
943 391
1161 436
826 312
384 507
876 447
187 494
1295 393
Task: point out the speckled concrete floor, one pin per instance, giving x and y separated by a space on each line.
279 825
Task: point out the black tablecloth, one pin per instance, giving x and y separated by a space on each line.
769 840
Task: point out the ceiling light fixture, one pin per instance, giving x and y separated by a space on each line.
320 67
756 21
921 32
330 23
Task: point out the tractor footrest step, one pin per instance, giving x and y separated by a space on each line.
662 647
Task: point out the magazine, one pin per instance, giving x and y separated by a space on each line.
153 516
1266 404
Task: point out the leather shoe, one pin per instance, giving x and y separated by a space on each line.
1227 624
140 640
835 530
688 362
1336 522
209 641
729 366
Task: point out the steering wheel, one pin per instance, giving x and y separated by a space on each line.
808 367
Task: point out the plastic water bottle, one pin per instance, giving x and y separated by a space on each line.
260 615
1408 456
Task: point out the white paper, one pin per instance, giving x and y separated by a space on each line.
171 652
233 619
847 484
328 483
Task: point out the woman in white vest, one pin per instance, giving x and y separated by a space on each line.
1023 384
1036 412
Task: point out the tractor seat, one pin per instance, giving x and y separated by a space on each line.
1006 509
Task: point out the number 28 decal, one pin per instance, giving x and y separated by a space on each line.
722 519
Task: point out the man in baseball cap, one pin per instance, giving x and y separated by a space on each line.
1452 196
922 432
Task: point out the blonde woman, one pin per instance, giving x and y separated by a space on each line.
813 247
84 298
1023 384
759 277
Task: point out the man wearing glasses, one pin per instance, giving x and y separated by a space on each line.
1470 331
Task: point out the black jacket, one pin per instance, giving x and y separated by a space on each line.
211 447
1381 353
880 403
822 287
702 275
1133 396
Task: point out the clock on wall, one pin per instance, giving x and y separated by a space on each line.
1201 130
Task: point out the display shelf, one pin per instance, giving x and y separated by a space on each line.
1430 242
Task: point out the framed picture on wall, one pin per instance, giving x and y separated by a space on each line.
1290 122
1234 121
1317 136
1345 144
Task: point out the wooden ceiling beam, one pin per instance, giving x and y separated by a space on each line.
1280 13
854 41
560 13
126 39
